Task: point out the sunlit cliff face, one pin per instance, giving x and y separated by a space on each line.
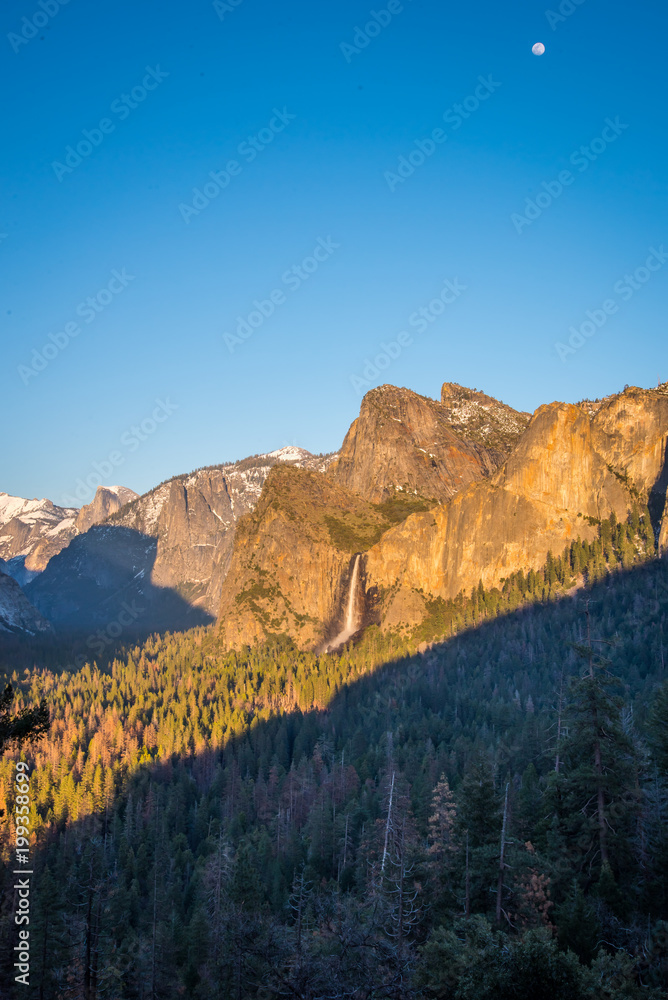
572 466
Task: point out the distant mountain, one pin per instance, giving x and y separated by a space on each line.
107 500
17 615
426 499
169 548
33 531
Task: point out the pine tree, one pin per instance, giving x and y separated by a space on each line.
599 755
658 729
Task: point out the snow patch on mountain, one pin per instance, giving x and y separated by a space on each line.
17 614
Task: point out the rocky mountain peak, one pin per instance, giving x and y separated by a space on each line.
403 441
107 500
480 418
31 532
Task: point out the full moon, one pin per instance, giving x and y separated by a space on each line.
538 49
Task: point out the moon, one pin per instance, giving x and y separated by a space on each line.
538 49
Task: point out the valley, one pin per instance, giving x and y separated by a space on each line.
385 722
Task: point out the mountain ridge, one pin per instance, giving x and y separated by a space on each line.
561 475
435 496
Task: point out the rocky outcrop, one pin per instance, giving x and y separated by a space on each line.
17 614
477 417
405 442
107 500
169 549
293 557
554 480
570 467
33 531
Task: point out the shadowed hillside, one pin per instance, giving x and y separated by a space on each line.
232 823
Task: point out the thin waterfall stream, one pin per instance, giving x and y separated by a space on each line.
351 621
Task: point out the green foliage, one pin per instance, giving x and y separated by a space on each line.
619 546
472 962
28 726
352 534
658 729
402 504
182 789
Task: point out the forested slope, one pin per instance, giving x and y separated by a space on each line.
272 823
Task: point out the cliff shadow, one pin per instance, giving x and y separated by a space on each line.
657 497
271 782
98 592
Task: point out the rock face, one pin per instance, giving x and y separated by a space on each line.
571 466
539 501
107 500
17 614
405 442
170 548
631 432
33 531
293 560
101 584
480 418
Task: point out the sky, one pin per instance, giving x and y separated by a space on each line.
222 223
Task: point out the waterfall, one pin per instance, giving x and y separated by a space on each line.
351 623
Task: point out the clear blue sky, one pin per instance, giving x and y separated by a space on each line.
323 176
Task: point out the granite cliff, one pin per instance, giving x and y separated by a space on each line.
509 490
107 501
293 558
169 549
404 442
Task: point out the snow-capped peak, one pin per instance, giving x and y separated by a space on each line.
290 453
